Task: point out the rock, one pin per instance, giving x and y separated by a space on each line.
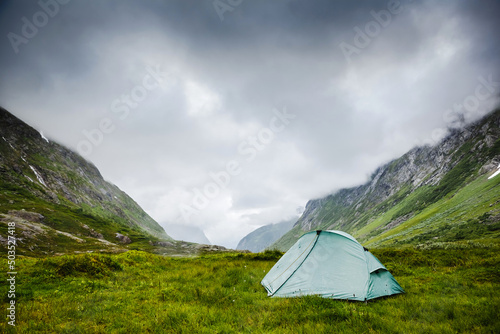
211 248
17 169
163 244
27 215
123 238
489 167
93 232
392 224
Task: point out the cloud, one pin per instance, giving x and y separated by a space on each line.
225 81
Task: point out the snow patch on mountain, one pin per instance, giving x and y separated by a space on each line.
43 137
38 176
496 173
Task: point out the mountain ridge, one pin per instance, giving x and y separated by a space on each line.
404 187
47 188
261 238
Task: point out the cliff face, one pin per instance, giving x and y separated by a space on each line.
43 177
405 187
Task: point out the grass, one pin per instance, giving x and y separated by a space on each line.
463 215
447 291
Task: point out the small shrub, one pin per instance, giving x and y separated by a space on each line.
268 255
92 265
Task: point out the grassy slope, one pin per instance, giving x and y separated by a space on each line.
68 217
461 215
447 291
71 180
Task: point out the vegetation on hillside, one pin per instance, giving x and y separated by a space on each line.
37 174
471 213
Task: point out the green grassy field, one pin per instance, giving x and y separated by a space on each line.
447 291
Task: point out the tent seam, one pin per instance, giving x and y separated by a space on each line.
315 241
298 257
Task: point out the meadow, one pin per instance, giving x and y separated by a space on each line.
449 289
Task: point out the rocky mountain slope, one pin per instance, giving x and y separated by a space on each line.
60 202
264 236
434 194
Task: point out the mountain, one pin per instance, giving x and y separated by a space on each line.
264 236
187 233
59 202
431 195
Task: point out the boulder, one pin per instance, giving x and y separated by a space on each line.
123 238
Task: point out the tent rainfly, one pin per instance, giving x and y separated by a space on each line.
331 264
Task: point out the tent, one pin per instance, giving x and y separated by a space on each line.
331 264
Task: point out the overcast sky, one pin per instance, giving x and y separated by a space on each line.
228 115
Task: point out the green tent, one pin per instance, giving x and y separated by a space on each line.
331 264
